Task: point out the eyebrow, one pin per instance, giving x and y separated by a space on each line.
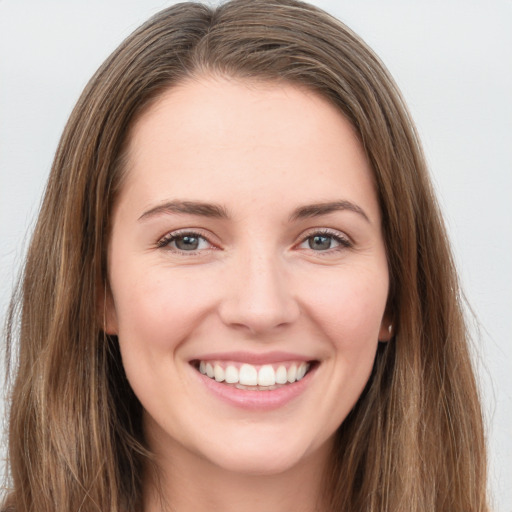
187 207
217 211
318 209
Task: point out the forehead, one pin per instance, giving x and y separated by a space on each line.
217 136
217 104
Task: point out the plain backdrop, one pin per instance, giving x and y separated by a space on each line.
452 60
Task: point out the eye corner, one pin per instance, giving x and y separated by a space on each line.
327 241
186 242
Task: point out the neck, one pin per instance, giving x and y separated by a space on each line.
184 481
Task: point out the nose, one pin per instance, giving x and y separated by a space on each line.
258 296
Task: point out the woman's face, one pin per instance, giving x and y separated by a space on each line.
248 273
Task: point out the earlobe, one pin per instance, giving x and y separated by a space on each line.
107 312
110 321
386 331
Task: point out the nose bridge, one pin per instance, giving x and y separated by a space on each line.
260 297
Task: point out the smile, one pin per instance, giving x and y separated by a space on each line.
254 377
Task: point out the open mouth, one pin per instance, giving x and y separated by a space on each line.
266 377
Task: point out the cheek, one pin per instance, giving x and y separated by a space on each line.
159 309
349 307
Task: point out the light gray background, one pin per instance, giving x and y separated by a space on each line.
452 60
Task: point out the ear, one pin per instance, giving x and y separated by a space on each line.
386 331
107 310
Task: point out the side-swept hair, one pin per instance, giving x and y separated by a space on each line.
414 441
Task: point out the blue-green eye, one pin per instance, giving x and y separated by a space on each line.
324 242
184 242
320 242
187 243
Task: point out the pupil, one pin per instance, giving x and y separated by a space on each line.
320 242
187 243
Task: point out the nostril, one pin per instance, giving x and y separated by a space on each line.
258 318
258 298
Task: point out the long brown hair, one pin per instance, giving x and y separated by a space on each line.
413 442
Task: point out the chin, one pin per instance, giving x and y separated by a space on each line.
265 456
262 464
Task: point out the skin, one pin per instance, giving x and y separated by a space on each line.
254 284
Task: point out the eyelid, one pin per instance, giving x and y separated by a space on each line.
162 243
343 239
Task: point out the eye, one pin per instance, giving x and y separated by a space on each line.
325 241
185 242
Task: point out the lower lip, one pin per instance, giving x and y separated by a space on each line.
257 400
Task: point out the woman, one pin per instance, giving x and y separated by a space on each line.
239 293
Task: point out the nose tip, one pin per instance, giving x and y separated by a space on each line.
259 299
251 316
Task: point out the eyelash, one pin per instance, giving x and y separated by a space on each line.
168 239
343 241
164 242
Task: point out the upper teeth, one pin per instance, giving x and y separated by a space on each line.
249 375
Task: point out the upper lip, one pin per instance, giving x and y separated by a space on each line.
253 358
